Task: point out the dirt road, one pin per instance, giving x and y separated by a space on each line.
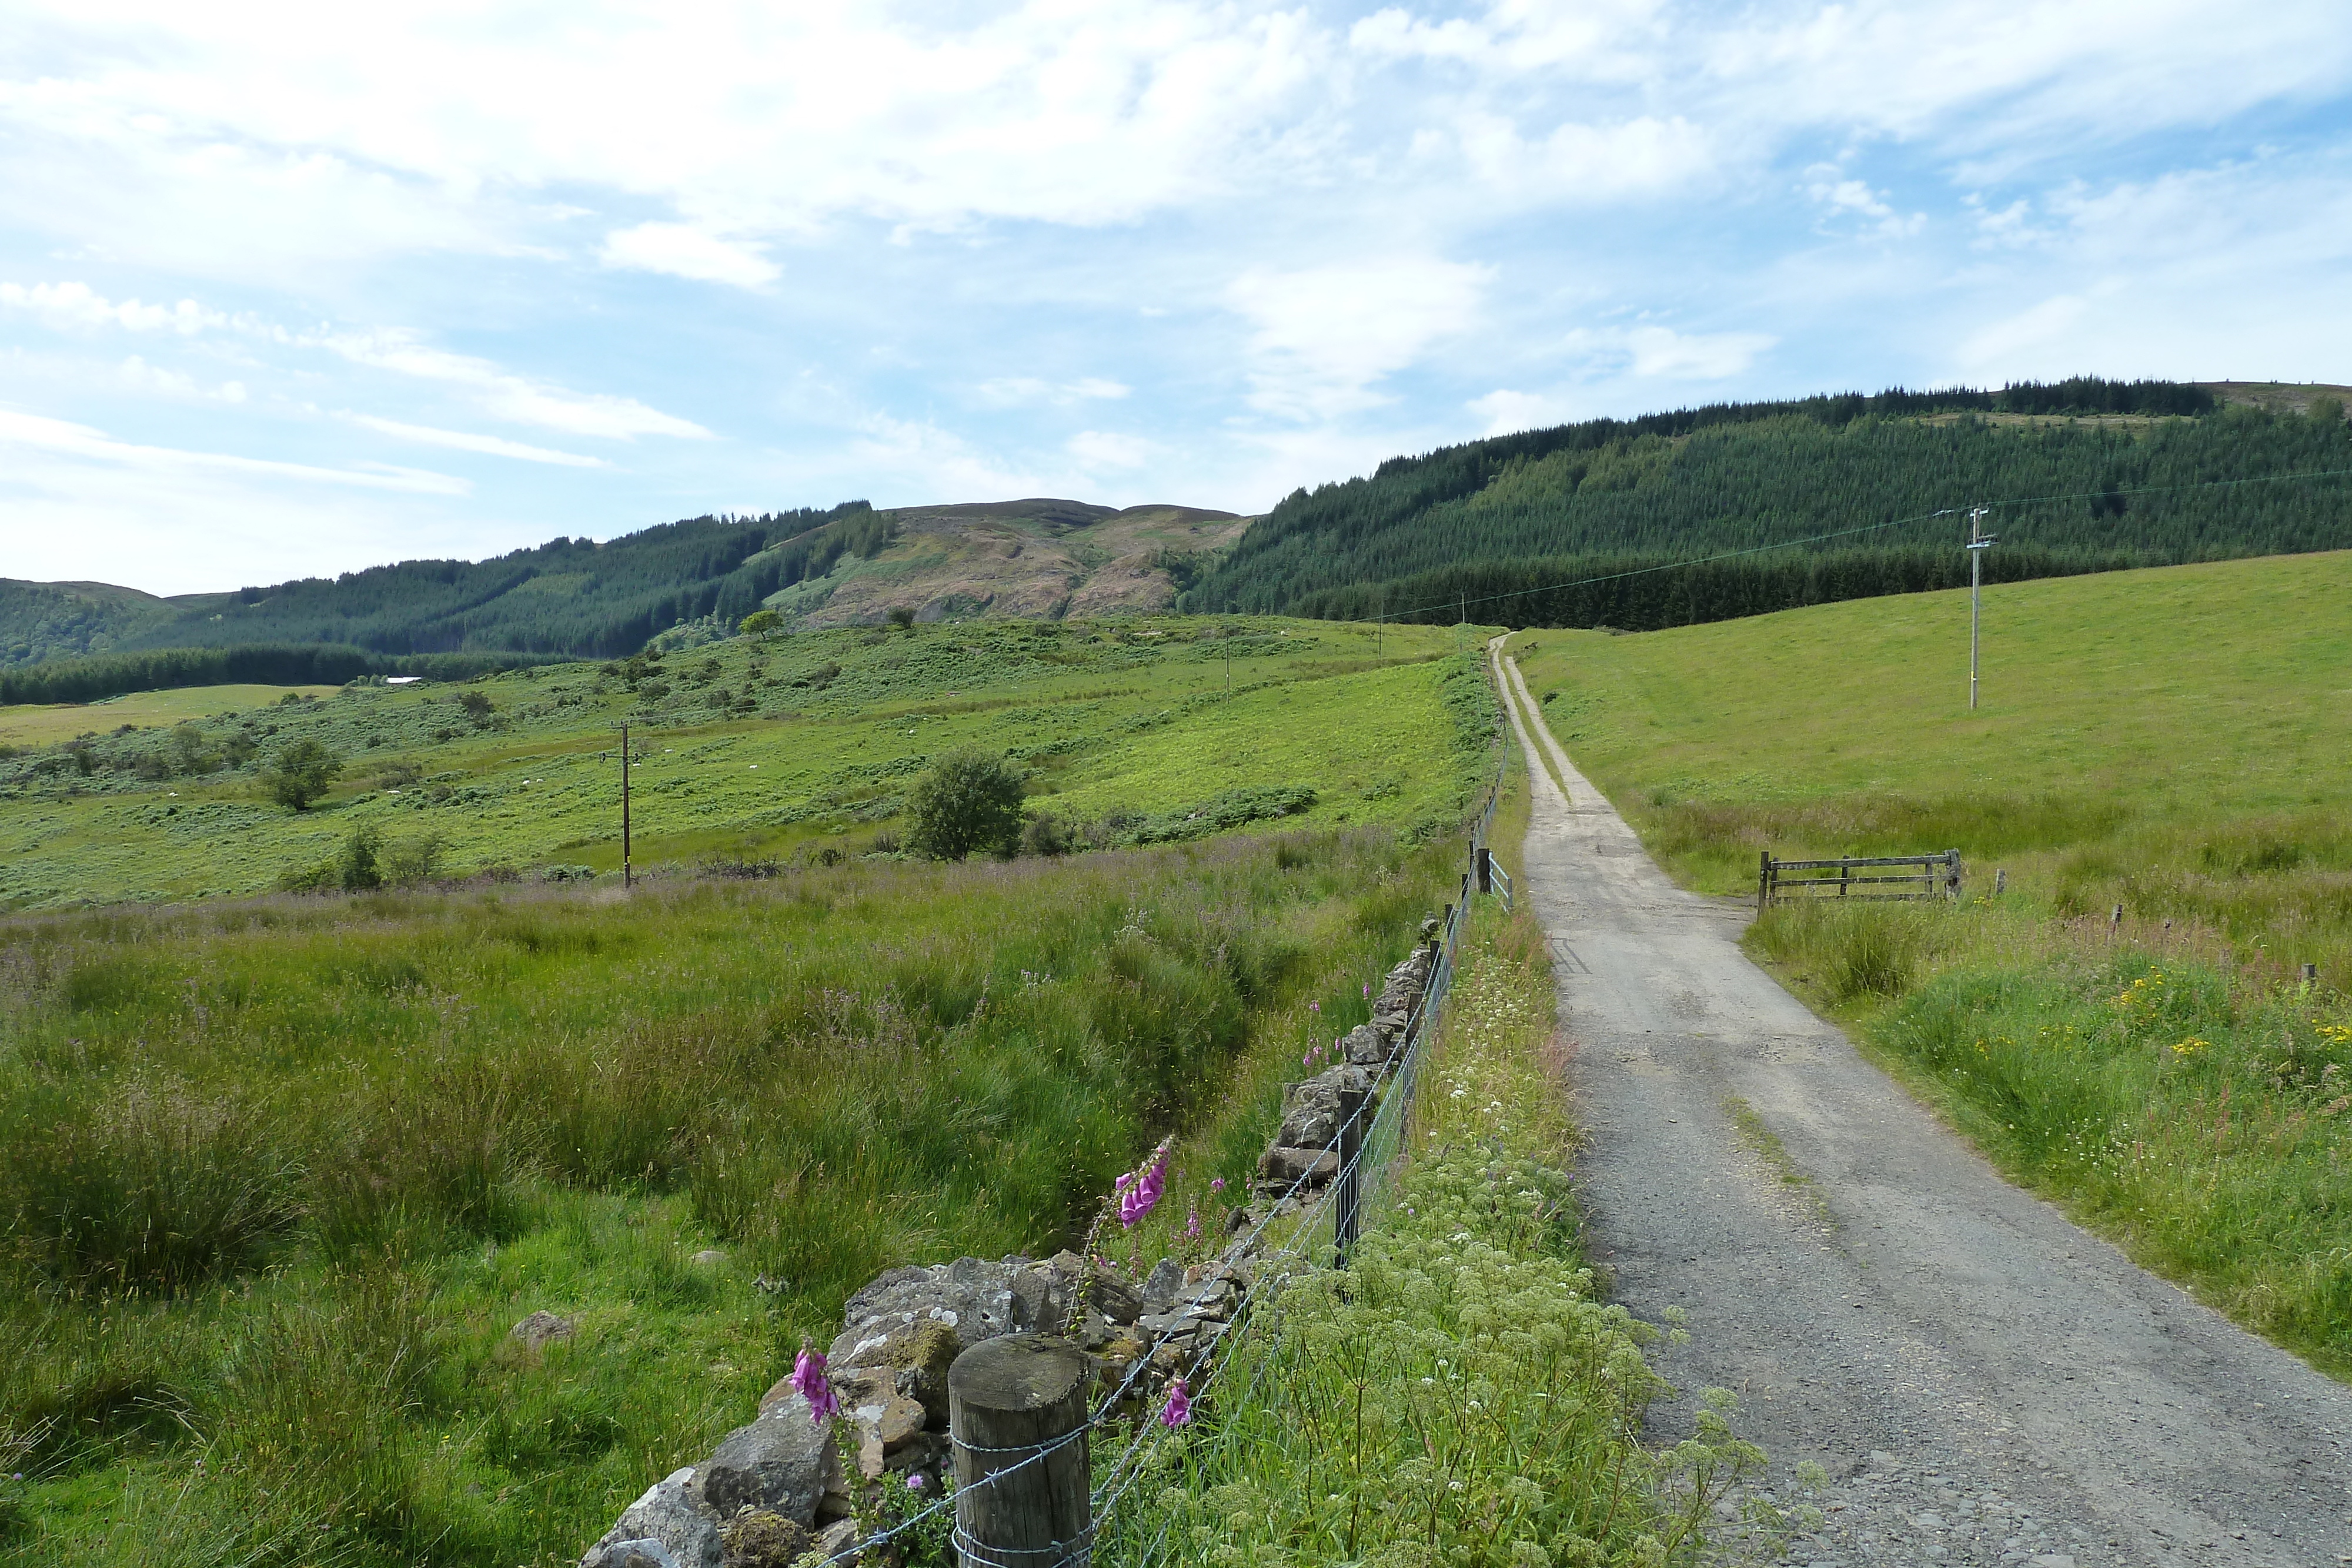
1984 1382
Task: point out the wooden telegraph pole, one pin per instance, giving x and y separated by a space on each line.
626 879
1978 542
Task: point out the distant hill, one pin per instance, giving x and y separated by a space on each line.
847 564
1587 524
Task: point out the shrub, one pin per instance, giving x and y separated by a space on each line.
304 772
970 800
902 617
1046 834
356 869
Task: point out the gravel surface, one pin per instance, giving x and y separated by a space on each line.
1983 1381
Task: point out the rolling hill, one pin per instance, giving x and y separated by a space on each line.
846 565
1577 524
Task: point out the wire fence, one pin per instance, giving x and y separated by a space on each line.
1304 1230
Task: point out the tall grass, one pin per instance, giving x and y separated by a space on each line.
2192 1107
1458 1393
283 1172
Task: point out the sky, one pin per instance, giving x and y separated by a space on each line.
294 291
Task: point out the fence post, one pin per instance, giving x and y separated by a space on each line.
1483 859
1347 1188
1952 874
1763 879
1009 1398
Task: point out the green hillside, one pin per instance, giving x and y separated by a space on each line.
2167 742
682 581
2091 475
752 751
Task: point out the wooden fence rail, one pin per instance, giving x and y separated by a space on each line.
1930 876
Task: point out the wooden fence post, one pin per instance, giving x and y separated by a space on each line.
1482 861
1009 1399
1763 879
2000 880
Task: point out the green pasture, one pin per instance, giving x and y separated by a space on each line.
283 1172
38 724
746 750
2158 766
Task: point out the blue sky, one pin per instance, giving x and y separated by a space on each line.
284 292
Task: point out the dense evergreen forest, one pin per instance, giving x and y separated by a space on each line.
1594 524
568 596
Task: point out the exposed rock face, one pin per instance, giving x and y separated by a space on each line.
670 1516
1283 1168
777 1463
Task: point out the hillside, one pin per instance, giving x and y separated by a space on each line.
850 564
2089 475
755 751
2152 809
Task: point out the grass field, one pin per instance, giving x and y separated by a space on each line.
284 1170
283 1174
37 725
750 751
2169 741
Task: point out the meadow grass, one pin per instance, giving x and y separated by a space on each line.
2168 741
37 723
1458 1393
283 1172
749 751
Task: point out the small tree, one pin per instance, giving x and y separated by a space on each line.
305 770
761 623
903 617
476 705
970 800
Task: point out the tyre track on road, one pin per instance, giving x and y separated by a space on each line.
1984 1381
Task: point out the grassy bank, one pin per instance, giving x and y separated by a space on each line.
2168 741
2188 1107
283 1174
750 751
1459 1394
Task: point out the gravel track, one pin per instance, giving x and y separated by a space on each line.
1983 1381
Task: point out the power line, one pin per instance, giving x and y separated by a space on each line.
1462 604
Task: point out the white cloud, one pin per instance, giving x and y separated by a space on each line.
1014 391
1105 449
1325 335
68 305
1653 351
508 396
1828 187
684 251
467 440
38 433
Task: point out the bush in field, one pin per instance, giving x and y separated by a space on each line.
968 801
304 772
1048 834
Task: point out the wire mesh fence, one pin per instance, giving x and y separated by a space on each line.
1304 1229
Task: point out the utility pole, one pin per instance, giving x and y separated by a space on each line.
1978 542
626 877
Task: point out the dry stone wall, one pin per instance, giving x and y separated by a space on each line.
777 1488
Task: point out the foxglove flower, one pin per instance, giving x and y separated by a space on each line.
1177 1411
1139 1200
811 1384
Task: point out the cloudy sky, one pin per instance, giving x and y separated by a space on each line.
289 291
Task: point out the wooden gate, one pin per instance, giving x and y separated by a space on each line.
1926 876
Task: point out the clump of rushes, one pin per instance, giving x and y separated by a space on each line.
1459 1394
